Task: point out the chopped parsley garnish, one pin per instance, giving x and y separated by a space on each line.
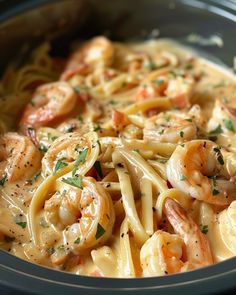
97 128
80 118
217 130
150 66
113 102
61 247
99 145
161 132
74 181
204 229
77 241
225 99
100 231
77 89
188 66
51 138
215 191
181 134
188 120
183 178
3 180
59 165
81 158
219 156
22 224
158 82
229 125
36 177
220 84
98 168
220 160
137 151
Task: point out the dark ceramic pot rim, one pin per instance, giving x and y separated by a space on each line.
27 277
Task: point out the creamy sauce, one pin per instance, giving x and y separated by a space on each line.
211 83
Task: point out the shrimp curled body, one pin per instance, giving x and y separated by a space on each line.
19 157
49 103
197 168
166 253
87 214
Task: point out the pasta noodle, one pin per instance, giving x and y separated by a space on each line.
127 167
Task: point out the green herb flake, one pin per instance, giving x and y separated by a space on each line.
61 247
225 99
77 241
74 181
113 102
81 158
97 128
158 82
59 165
220 84
98 168
220 160
150 66
183 178
215 191
188 120
100 231
36 177
22 224
181 134
188 66
77 89
99 145
217 130
3 180
80 118
204 229
229 125
137 151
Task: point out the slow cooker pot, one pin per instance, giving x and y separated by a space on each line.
25 24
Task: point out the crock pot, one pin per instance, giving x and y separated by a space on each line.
209 26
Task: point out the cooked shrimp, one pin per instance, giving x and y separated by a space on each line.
198 252
19 157
223 125
197 168
97 52
65 149
161 254
49 103
223 116
170 127
86 214
164 82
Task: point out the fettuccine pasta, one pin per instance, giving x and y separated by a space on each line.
118 161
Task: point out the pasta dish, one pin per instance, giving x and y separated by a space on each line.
119 160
